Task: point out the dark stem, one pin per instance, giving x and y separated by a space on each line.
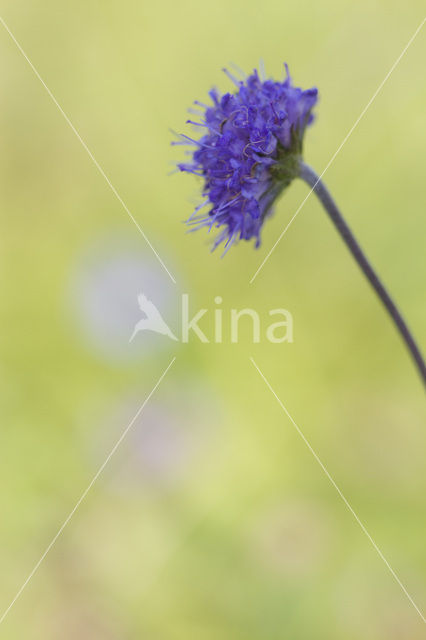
314 181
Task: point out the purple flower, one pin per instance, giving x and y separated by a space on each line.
248 154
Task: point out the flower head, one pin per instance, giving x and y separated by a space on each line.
248 153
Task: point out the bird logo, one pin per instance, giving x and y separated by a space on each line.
153 320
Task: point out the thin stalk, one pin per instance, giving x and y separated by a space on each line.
314 181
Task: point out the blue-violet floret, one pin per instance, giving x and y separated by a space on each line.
248 154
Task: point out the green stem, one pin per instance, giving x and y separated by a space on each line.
314 181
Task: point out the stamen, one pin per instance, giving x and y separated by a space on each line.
197 124
200 206
232 78
238 70
262 72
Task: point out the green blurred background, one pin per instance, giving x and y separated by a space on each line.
212 521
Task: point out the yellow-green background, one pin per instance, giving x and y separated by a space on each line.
245 539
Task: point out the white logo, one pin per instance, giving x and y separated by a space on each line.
275 332
153 320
